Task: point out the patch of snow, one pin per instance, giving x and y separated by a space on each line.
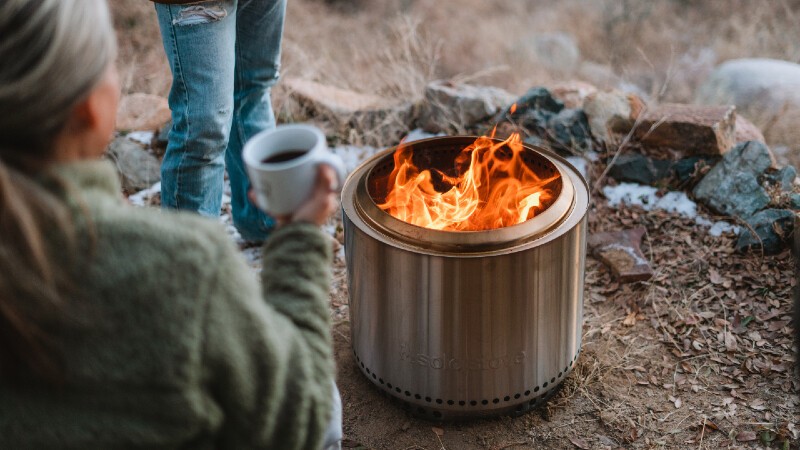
329 228
142 137
646 198
631 194
253 257
677 202
638 260
418 134
142 198
721 227
580 165
340 254
352 155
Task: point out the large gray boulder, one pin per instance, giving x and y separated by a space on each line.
450 106
763 90
731 187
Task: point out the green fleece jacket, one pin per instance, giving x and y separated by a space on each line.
177 344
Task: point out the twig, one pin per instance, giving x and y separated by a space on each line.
702 433
441 444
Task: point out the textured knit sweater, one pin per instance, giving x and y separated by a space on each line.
170 341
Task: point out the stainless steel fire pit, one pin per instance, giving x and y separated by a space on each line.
465 324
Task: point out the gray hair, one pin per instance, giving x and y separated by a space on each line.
53 53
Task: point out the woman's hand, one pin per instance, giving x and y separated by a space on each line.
320 204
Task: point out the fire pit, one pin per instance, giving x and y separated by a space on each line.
465 323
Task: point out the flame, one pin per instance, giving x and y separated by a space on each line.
494 188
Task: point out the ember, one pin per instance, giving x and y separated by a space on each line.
492 188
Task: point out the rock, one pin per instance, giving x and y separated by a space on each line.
572 93
794 201
162 138
138 169
329 100
538 99
685 170
529 114
376 119
620 251
142 112
773 229
611 112
557 52
783 178
747 131
766 91
455 106
731 187
688 129
637 168
570 130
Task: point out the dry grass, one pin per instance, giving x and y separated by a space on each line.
393 48
662 48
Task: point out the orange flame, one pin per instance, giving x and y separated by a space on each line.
494 188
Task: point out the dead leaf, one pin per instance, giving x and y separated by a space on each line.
713 275
730 342
746 436
630 320
775 326
438 431
580 443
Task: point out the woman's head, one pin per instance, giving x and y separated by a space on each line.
54 54
58 93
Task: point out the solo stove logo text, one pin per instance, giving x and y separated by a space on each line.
447 362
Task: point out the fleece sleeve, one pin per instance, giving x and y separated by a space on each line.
268 351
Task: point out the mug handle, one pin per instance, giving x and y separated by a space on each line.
334 161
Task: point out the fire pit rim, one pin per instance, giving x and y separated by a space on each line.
357 199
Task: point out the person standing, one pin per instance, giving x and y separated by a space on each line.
225 57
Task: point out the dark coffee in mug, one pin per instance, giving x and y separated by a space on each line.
284 156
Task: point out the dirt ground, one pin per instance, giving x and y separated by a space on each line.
697 357
700 356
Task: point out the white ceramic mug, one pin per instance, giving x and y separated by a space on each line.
282 166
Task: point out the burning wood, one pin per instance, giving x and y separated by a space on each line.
492 187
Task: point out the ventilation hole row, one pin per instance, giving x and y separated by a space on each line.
484 402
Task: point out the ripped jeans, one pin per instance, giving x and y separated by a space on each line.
224 56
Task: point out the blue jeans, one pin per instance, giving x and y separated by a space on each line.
224 56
